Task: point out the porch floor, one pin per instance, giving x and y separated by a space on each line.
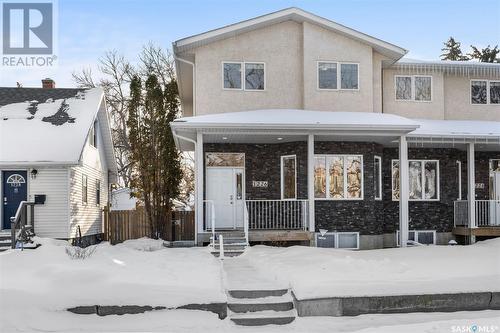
263 235
479 231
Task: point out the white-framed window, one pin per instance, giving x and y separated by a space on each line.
84 189
338 177
243 75
289 177
484 92
93 135
377 177
426 237
334 75
423 176
338 240
97 192
413 88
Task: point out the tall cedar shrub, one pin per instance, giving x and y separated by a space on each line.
156 163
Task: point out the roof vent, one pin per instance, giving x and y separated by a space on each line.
48 83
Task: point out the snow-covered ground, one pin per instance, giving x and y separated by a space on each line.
315 273
36 286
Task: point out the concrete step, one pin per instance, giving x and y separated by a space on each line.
261 318
231 253
230 240
257 293
257 307
230 246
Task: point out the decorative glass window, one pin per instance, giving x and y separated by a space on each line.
338 177
423 180
225 159
319 177
239 185
327 75
254 76
426 237
479 92
494 92
288 177
16 180
232 75
84 189
349 76
413 88
377 177
329 78
338 240
98 192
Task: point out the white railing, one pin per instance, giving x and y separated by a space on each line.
487 213
210 217
277 214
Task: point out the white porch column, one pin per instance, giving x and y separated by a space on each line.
310 180
471 188
403 191
198 162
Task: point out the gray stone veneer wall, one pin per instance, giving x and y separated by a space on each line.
370 217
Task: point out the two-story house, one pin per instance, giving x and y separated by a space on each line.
305 130
56 152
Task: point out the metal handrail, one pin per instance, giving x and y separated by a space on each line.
20 220
212 218
277 214
486 213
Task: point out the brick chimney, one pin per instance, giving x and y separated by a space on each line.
48 83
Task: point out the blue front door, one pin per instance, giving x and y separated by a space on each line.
15 190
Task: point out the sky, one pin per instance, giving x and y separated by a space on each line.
86 29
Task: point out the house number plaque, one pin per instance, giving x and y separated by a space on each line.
259 183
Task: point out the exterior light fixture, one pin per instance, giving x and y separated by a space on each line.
33 173
280 138
224 138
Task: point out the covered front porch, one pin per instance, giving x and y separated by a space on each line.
285 175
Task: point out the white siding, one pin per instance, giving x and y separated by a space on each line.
51 219
88 216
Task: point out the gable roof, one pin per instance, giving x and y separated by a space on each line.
295 14
50 126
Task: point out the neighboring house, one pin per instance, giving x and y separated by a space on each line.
122 200
56 143
299 125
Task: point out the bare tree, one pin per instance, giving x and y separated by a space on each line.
115 75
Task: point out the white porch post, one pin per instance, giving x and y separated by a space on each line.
310 180
471 188
199 182
403 191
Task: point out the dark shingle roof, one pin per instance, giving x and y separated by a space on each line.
19 95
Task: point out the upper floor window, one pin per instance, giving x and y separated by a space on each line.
93 135
243 75
485 92
413 88
329 77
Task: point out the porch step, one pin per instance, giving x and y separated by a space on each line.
261 307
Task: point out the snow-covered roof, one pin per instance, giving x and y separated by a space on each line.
457 129
298 119
295 14
451 67
50 131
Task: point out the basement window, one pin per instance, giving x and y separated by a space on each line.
338 240
426 237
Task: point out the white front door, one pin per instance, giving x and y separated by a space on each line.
225 191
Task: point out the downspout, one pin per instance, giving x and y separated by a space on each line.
174 132
194 80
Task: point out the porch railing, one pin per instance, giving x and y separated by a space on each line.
277 214
22 225
487 213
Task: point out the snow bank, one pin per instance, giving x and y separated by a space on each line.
138 272
318 272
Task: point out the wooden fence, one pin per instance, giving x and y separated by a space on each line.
121 225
